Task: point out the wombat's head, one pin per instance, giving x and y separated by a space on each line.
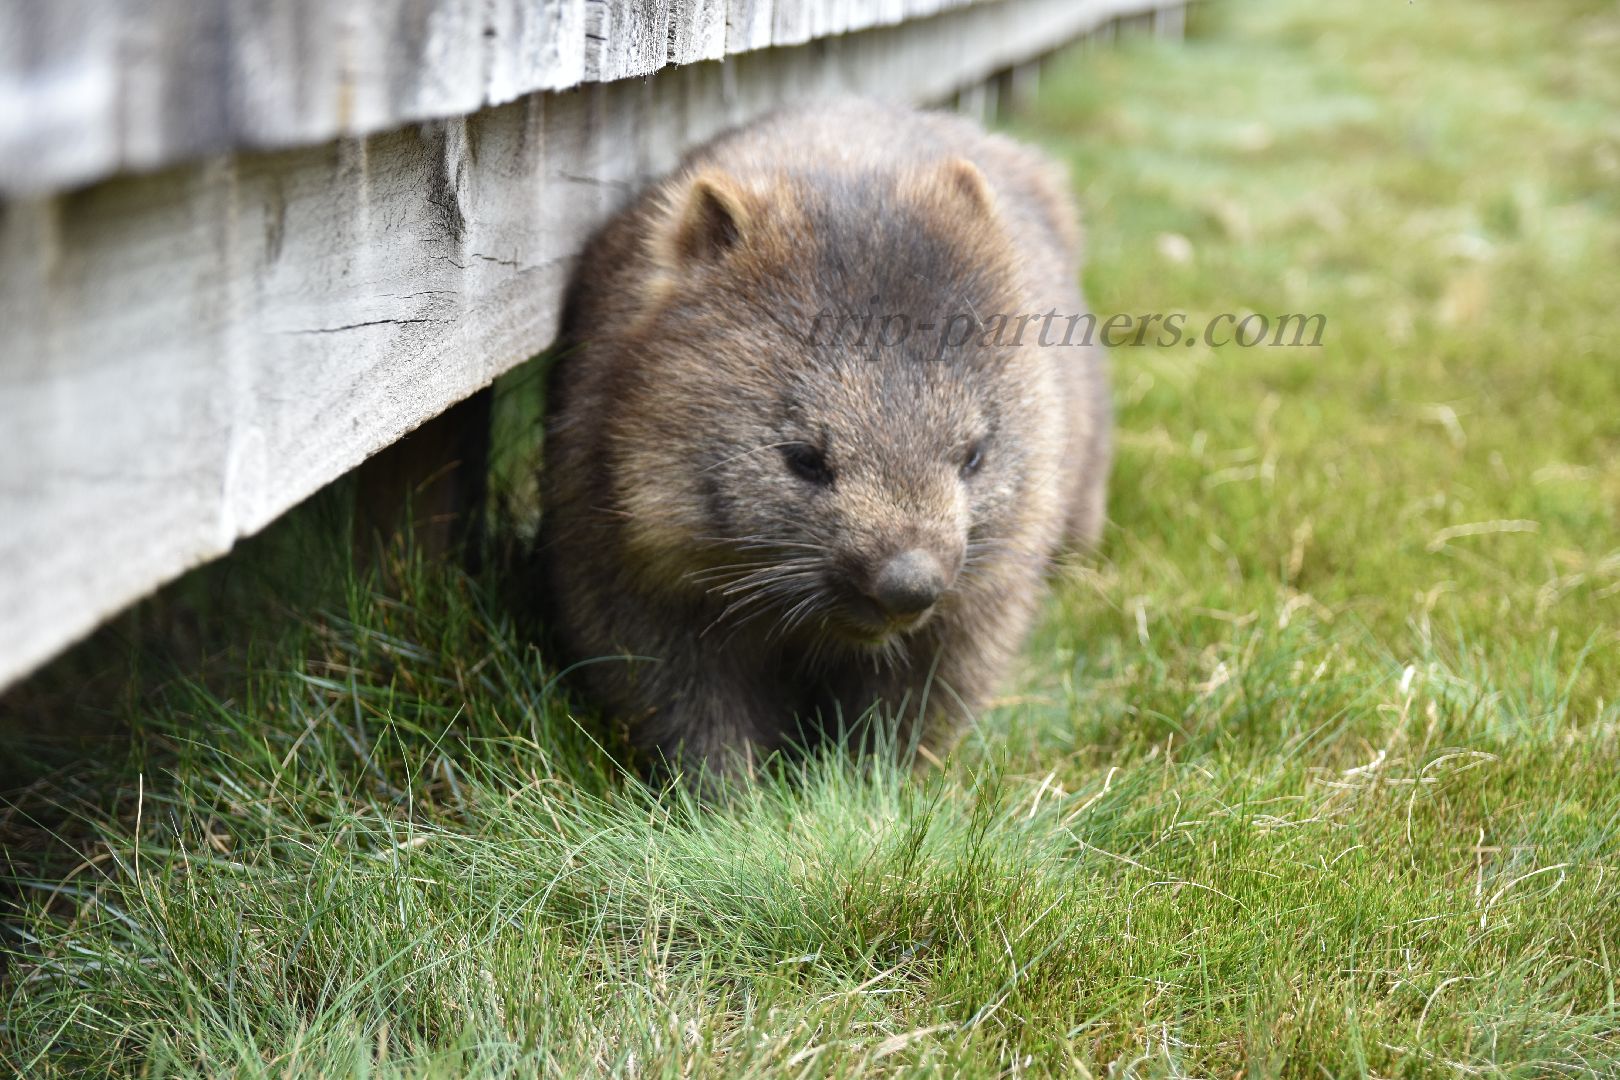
812 435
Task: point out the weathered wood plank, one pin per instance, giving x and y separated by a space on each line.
697 30
544 47
625 38
93 87
188 354
791 22
748 25
1170 23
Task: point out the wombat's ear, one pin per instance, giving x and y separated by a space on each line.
965 178
707 219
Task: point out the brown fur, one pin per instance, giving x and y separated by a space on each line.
720 594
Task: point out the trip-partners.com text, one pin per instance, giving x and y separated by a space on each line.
1051 329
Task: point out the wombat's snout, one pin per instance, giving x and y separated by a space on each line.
908 584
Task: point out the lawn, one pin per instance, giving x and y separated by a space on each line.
1313 770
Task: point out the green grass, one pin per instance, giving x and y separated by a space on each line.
1305 776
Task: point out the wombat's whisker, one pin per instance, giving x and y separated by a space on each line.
739 613
786 625
727 572
769 575
746 453
812 604
764 583
742 604
793 581
742 571
818 645
761 542
792 545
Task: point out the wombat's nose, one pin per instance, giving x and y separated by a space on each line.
909 583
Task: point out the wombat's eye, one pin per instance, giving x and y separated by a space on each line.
972 459
807 463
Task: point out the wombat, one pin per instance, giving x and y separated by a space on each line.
798 470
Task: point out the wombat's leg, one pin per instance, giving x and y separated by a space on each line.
949 672
1088 509
1090 454
915 709
713 731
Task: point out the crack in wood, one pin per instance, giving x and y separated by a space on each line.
360 326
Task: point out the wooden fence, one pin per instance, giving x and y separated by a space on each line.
245 244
